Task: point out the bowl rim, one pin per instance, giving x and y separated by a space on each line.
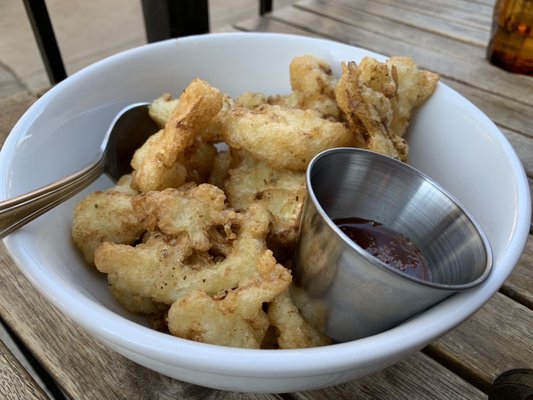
404 339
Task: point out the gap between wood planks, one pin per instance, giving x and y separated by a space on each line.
32 365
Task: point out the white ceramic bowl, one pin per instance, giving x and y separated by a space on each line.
450 139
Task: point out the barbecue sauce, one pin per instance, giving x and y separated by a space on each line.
389 246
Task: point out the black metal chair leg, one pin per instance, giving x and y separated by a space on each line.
46 40
164 19
265 6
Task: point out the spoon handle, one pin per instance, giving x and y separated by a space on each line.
20 210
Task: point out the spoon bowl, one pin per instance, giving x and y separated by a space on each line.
129 130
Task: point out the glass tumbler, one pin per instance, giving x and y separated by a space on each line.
511 43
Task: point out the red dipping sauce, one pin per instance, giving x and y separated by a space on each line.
389 246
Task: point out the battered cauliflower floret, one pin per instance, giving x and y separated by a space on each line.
158 163
281 192
106 216
281 137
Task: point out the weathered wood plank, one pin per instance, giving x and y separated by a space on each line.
495 339
483 2
268 24
453 12
454 58
417 377
353 26
12 109
223 14
459 67
389 17
15 382
458 10
439 33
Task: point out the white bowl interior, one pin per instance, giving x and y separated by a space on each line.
450 140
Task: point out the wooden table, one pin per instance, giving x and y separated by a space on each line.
448 38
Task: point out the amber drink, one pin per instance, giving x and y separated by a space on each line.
511 43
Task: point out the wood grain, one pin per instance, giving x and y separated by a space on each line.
12 109
417 377
495 339
462 11
453 23
368 16
15 382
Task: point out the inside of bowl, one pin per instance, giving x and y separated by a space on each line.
458 146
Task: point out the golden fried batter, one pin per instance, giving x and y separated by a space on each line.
220 169
105 217
156 164
199 317
236 317
192 211
283 138
161 109
378 76
414 87
313 86
166 265
377 100
251 100
367 111
131 301
294 331
281 192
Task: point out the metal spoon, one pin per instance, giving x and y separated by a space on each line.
129 131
